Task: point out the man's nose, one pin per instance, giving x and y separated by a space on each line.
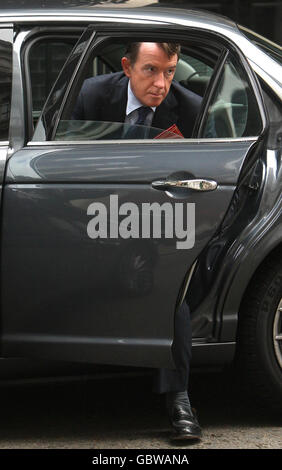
159 81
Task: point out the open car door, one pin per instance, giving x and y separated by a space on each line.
88 275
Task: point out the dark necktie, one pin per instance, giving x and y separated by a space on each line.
142 115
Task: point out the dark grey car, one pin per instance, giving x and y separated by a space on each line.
110 299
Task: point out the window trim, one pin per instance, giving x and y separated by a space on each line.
115 142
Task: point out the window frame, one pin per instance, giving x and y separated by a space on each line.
100 34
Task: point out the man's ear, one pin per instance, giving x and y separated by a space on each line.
126 65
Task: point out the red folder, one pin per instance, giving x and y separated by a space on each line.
171 133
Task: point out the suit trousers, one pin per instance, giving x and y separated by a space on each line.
176 380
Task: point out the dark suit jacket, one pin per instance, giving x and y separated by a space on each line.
104 98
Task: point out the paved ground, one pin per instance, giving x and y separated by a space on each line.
122 413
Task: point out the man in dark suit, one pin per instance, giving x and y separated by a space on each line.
145 94
145 83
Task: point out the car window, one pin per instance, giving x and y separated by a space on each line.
46 58
269 47
190 83
226 108
5 82
233 110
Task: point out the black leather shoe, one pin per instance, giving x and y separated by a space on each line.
184 423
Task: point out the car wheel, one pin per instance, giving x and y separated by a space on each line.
259 341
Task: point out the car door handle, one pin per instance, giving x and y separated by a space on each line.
194 184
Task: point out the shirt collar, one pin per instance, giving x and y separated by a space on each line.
132 102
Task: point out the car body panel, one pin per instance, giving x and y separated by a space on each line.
259 239
46 202
94 162
70 302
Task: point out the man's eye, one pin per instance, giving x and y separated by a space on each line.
170 72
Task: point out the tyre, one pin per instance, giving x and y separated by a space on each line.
259 338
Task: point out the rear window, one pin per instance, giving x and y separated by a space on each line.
46 59
269 47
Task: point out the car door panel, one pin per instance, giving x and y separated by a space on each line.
74 294
127 163
108 299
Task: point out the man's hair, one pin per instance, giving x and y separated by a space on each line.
170 48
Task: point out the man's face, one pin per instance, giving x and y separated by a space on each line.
151 75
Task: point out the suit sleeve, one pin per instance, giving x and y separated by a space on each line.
91 100
88 100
